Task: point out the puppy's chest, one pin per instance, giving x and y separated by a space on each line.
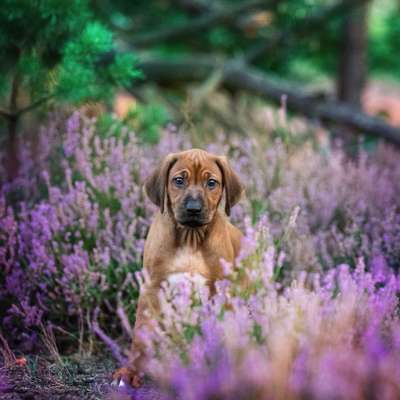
188 263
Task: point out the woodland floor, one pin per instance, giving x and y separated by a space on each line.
87 378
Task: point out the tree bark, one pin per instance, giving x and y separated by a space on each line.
12 161
352 68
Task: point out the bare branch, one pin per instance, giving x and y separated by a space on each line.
199 7
18 113
5 114
201 23
35 104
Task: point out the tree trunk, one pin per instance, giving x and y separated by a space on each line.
352 72
352 68
12 161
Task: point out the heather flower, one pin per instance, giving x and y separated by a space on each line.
308 310
334 339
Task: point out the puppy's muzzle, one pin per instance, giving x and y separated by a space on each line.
193 213
193 207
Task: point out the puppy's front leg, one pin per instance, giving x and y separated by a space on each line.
148 307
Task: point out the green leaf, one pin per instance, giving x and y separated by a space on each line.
123 70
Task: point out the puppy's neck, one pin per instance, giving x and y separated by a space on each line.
192 237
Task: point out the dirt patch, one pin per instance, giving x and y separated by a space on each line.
74 378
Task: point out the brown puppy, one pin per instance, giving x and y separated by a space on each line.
189 234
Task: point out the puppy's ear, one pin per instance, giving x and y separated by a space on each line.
232 185
156 184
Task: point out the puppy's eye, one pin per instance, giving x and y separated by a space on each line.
179 181
211 183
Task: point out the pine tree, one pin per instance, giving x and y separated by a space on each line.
54 50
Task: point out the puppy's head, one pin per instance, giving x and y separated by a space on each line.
191 184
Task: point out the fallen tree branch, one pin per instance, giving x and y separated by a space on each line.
237 76
199 24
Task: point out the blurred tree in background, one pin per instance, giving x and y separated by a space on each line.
352 64
269 48
54 50
69 52
309 31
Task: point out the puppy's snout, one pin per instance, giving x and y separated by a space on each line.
193 206
193 211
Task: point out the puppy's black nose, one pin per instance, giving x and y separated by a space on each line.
193 206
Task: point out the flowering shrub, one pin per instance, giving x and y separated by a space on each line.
337 336
309 309
348 208
72 244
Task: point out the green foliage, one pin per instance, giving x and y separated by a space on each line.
65 48
121 70
190 331
301 57
144 119
58 49
384 41
147 120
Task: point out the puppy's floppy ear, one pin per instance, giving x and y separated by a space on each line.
232 185
156 184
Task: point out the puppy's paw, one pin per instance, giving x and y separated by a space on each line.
127 376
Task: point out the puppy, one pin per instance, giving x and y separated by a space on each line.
190 234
